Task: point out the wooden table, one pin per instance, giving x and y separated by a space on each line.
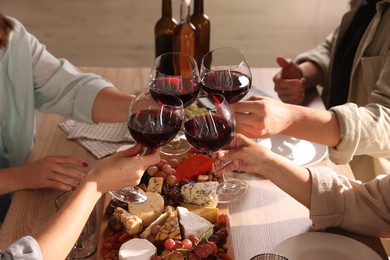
264 217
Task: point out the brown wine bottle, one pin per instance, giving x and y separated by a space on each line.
164 30
185 31
202 25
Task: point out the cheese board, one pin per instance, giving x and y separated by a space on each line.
188 224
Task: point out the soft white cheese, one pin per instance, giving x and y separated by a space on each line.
194 225
137 249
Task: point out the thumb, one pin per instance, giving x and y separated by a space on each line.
283 62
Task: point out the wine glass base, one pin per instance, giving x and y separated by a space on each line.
231 190
177 146
85 249
130 195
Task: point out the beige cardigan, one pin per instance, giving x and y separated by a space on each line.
365 121
351 205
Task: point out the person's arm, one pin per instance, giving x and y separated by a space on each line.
332 199
58 236
58 172
245 155
111 106
262 117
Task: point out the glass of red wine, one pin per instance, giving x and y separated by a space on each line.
226 71
176 74
153 121
210 127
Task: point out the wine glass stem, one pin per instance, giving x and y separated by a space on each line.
226 184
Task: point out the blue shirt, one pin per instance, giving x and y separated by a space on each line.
31 78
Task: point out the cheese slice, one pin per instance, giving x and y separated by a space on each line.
150 210
155 184
194 225
200 193
170 229
131 223
159 221
209 213
137 249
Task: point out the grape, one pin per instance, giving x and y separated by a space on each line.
176 256
194 239
174 162
187 243
178 244
161 174
213 247
169 244
208 248
200 251
223 220
170 180
192 256
161 163
152 170
166 168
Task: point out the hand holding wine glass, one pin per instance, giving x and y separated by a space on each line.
226 71
209 128
153 121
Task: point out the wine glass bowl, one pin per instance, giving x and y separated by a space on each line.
176 74
210 127
226 71
153 121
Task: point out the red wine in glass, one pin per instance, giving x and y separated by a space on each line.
219 134
225 71
210 128
154 135
233 85
152 122
185 89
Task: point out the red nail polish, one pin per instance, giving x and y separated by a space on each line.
85 164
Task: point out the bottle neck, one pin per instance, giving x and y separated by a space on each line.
185 10
167 8
198 7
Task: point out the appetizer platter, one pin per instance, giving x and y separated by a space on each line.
180 220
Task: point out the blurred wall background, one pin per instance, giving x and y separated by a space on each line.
120 32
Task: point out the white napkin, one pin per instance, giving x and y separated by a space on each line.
101 139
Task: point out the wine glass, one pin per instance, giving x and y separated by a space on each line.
154 119
177 74
85 245
209 128
226 71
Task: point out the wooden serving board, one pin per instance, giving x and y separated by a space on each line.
104 231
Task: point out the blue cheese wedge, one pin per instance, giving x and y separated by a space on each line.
193 225
155 184
150 210
200 193
137 249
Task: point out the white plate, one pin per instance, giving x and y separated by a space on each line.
324 246
299 151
